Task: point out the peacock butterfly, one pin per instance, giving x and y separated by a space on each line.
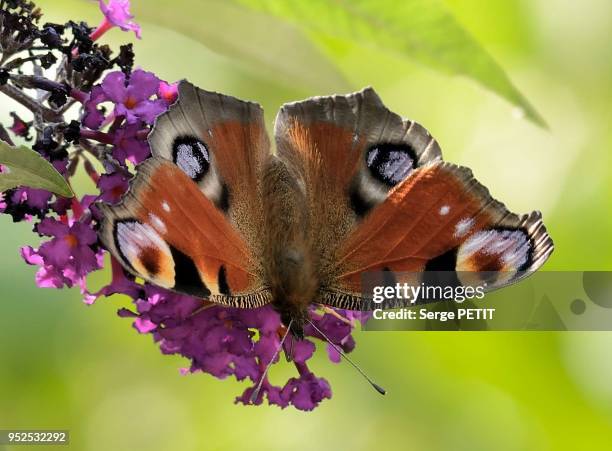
351 188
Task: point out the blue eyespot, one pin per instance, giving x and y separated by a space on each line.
191 155
390 163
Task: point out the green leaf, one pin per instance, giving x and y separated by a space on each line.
272 47
28 168
421 30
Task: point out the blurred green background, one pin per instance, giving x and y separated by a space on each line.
68 366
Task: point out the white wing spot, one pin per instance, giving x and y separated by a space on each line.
463 227
165 206
444 209
158 224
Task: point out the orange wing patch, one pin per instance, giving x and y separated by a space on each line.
416 223
177 238
441 218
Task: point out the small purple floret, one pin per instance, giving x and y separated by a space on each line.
117 12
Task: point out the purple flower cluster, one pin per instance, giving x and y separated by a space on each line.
131 99
117 108
239 342
74 250
68 257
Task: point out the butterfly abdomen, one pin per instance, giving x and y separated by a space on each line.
290 270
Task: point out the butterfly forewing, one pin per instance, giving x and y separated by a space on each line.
192 219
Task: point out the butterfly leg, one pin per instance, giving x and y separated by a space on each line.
205 306
333 312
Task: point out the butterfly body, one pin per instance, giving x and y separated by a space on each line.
290 264
351 188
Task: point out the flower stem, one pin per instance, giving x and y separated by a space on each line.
77 208
302 368
101 29
4 136
143 134
96 135
78 95
20 97
91 171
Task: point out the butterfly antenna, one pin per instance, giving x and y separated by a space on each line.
255 393
377 387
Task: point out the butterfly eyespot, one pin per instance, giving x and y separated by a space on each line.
150 259
386 166
192 156
495 250
444 210
390 163
145 251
